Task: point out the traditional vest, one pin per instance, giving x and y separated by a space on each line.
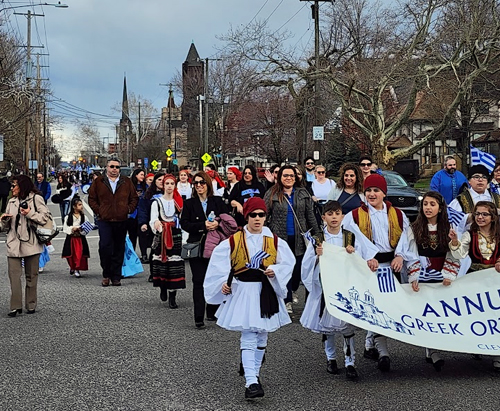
239 252
467 203
361 217
477 257
348 238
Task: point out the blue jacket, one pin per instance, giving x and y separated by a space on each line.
45 189
442 182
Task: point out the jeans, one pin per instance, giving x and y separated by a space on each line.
64 207
112 247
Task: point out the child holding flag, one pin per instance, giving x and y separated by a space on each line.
250 271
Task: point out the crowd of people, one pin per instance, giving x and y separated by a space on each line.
250 244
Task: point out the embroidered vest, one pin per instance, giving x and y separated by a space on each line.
467 203
239 252
475 253
361 217
348 238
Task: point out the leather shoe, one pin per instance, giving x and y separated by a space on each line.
384 364
105 282
199 324
350 373
116 283
171 300
30 311
144 260
331 367
371 354
163 295
13 313
150 278
212 318
254 391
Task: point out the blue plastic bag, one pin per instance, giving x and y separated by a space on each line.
44 257
131 263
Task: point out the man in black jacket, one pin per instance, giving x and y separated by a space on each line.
4 192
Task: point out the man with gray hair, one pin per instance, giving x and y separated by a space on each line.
448 181
112 197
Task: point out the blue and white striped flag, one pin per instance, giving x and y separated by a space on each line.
87 226
386 282
455 216
480 157
257 259
307 236
429 274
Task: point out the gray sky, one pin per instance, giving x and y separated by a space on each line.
94 42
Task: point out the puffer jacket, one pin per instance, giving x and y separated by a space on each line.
113 207
277 215
227 227
23 242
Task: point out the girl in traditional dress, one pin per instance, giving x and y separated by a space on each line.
167 264
429 235
76 248
254 299
315 316
481 243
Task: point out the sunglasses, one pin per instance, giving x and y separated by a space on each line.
320 172
200 182
13 185
365 164
247 174
113 166
309 164
479 214
288 175
255 215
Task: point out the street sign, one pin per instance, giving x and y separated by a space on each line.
318 133
169 153
146 162
154 163
1 147
316 155
175 161
139 161
206 158
33 164
132 164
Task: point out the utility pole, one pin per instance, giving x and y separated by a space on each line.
206 91
170 100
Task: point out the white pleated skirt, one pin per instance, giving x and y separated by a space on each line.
241 311
326 324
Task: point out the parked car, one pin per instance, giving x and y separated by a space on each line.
402 195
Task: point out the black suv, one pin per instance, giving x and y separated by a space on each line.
402 195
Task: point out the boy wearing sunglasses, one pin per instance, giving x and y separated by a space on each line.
249 272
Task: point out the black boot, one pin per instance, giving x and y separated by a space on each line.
163 294
171 299
331 367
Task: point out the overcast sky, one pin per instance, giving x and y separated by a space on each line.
94 42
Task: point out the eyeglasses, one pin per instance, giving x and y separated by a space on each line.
255 215
320 172
113 166
479 177
365 164
309 163
199 182
13 185
288 175
484 215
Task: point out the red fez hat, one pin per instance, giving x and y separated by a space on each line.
375 180
252 204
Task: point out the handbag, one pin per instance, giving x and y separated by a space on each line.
191 250
44 233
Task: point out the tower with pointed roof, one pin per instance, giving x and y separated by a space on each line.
193 82
125 127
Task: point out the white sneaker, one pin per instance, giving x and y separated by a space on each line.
77 274
289 308
40 270
295 298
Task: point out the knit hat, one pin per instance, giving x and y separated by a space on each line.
150 175
478 169
375 180
236 172
252 204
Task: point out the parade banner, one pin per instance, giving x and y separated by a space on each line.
463 317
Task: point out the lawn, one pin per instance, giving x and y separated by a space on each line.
423 184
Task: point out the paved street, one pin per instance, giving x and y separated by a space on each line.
121 348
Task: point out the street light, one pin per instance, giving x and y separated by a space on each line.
58 4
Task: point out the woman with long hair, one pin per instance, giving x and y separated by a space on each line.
25 207
249 186
495 178
138 178
167 265
64 189
198 218
429 235
155 190
290 215
183 185
233 175
349 189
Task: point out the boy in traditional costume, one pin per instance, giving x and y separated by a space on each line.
315 316
249 272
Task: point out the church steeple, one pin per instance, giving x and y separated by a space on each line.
125 112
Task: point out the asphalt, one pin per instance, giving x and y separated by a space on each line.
121 348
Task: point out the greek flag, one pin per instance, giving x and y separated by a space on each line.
308 237
386 282
480 157
87 226
455 216
429 274
257 259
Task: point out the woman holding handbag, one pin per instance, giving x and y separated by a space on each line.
290 215
167 266
202 207
22 242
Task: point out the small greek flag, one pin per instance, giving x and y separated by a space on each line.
308 237
257 259
386 282
87 226
455 216
429 274
480 157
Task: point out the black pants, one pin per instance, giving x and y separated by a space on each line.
199 269
294 283
112 247
145 240
3 199
132 231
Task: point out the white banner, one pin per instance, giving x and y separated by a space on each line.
463 317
